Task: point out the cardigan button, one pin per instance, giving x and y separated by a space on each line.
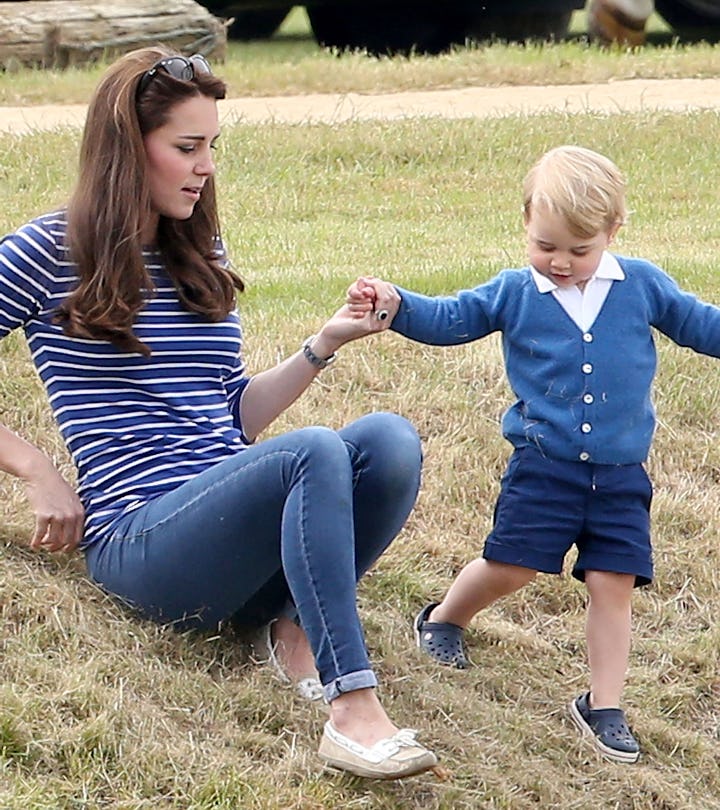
587 368
584 456
586 427
587 337
588 399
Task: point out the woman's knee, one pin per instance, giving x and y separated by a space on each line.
320 445
317 438
387 435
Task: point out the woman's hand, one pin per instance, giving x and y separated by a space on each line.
370 307
59 514
270 392
369 296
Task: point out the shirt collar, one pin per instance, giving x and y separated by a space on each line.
608 268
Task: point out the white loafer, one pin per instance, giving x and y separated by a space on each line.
391 758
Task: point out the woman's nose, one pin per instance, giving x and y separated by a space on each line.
206 166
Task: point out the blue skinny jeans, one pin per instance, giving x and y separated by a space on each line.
285 527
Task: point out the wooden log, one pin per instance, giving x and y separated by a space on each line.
60 33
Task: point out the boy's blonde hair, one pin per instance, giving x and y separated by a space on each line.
585 188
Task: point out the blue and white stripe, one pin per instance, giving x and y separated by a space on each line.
136 426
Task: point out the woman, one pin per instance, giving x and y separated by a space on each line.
128 305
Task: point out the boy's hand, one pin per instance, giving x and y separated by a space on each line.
369 296
370 307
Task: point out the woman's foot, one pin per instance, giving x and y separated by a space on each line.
361 739
360 716
394 757
618 21
288 642
288 650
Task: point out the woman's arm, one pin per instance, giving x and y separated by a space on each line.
59 515
30 261
270 392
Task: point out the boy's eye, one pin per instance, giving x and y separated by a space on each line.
580 252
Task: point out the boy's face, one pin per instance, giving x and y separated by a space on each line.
555 252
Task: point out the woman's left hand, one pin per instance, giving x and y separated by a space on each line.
370 307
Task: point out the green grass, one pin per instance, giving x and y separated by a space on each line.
293 63
100 710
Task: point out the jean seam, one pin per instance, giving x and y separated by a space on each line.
319 606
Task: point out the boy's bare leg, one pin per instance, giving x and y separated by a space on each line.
608 627
478 585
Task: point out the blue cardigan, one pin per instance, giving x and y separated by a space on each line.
580 396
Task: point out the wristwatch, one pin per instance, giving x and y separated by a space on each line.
318 362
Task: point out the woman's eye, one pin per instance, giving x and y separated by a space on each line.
186 149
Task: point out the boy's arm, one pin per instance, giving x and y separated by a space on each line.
434 320
447 320
686 319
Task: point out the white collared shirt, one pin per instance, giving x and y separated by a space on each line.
583 306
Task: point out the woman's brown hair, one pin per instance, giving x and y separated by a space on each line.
112 200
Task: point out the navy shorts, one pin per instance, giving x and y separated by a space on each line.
545 506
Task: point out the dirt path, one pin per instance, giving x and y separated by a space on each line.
612 97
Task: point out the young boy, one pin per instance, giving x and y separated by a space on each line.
580 358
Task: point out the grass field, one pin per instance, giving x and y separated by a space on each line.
101 710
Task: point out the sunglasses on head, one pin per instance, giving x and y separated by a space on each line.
179 67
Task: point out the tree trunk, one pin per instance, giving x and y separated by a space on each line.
59 33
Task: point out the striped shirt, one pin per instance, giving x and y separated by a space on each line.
136 427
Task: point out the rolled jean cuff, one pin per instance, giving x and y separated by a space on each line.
362 679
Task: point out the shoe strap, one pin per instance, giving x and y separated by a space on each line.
404 738
383 749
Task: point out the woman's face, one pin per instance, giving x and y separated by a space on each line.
180 160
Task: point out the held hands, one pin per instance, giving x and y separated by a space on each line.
270 392
375 300
59 515
370 307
